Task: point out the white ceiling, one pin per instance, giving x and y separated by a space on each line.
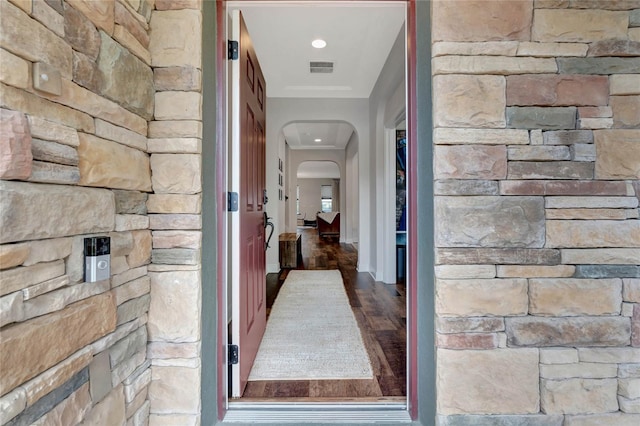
318 169
359 38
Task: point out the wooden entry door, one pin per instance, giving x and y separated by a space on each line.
248 227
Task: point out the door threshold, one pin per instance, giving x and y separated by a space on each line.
378 400
333 412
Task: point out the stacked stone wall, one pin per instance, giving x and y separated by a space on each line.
76 96
537 166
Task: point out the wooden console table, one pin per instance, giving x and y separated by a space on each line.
290 249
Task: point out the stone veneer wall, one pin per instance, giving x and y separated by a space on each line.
537 161
107 145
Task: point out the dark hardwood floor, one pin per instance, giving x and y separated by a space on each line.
380 310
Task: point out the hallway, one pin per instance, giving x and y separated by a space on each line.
380 310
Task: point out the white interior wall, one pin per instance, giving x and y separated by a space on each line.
310 197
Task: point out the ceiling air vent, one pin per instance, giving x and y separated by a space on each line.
320 67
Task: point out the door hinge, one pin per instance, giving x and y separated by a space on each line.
233 354
232 201
232 50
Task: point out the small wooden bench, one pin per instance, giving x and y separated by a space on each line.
290 249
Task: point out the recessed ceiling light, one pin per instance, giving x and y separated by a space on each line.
317 140
319 43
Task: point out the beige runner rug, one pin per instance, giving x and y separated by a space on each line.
312 333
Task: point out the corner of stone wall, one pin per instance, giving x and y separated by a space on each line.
537 164
76 96
175 148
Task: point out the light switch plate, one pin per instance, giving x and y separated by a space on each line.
46 78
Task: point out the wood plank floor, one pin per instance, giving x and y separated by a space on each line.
380 310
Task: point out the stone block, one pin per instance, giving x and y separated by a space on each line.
613 47
482 21
558 25
52 131
557 90
175 221
175 145
167 350
558 356
469 101
42 172
568 331
578 396
49 17
31 104
67 411
177 78
131 202
465 271
592 234
534 271
109 411
574 297
134 386
583 370
481 297
628 370
174 203
631 290
563 202
173 105
499 65
583 152
500 420
12 404
550 170
595 123
634 34
168 50
491 48
45 287
42 45
102 14
483 256
177 4
175 129
121 135
629 388
607 271
635 326
626 111
25 276
14 70
461 136
80 32
603 66
100 376
595 112
109 164
176 173
86 72
552 50
175 390
173 316
624 84
126 348
174 419
12 308
129 275
587 214
609 355
127 80
121 331
53 152
569 187
549 118
13 255
503 381
470 162
131 222
629 405
15 145
469 325
25 347
177 239
538 153
132 309
611 256
467 341
141 253
567 137
489 222
465 187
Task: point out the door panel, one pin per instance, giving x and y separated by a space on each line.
249 289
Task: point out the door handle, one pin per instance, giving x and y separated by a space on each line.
265 199
267 222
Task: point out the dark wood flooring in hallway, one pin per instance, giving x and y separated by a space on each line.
380 310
